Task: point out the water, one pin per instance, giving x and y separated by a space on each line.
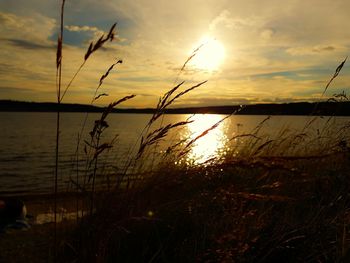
27 142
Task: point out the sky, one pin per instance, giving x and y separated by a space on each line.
251 51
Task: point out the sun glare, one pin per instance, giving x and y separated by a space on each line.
210 54
213 144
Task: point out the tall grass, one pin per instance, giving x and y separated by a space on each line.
266 202
99 125
58 89
94 148
280 199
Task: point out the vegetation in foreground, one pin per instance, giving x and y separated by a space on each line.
271 201
240 210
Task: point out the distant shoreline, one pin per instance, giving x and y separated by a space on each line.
298 108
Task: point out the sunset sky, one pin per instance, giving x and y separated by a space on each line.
253 51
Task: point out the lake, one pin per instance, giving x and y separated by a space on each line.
27 151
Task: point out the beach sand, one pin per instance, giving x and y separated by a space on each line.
36 243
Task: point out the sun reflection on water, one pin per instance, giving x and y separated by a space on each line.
212 145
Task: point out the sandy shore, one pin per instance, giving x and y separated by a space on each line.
44 204
35 244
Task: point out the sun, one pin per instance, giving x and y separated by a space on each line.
209 54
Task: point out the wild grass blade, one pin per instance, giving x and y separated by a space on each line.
336 73
156 135
92 48
194 53
58 89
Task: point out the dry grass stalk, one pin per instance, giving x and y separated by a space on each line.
166 101
102 79
336 73
58 90
97 147
94 98
60 95
92 48
194 53
156 135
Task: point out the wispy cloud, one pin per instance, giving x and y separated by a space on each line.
28 44
82 28
224 19
35 28
312 50
15 90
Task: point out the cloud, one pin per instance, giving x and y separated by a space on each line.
267 34
35 28
81 28
141 79
312 50
28 44
223 19
219 101
15 90
146 95
93 32
291 100
10 20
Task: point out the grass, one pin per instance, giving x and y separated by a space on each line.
266 200
243 210
282 199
